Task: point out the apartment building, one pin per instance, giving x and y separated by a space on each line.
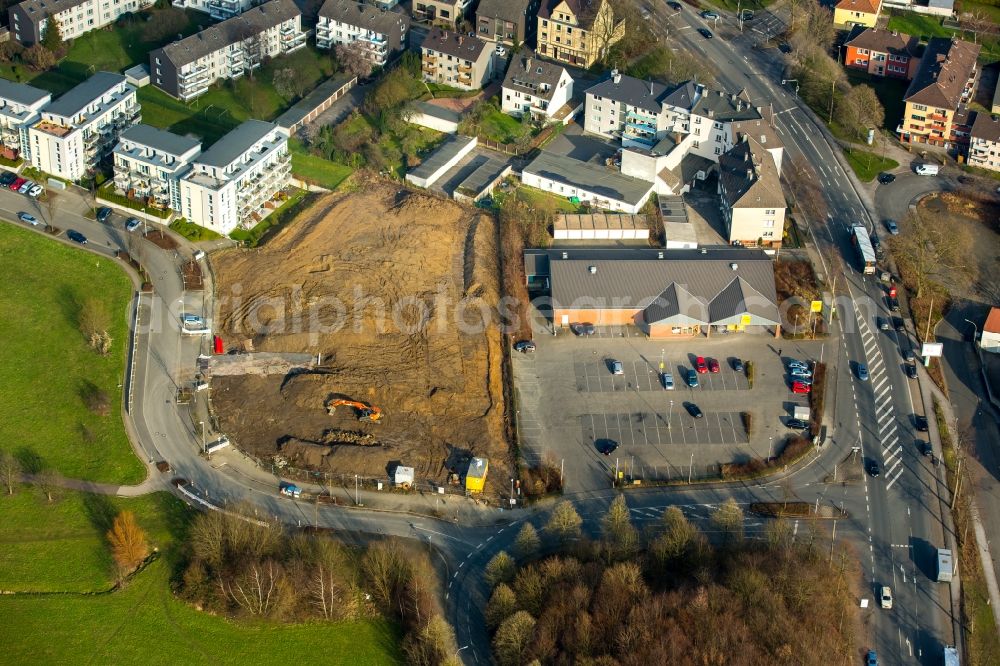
984 142
149 164
79 129
227 50
507 21
935 109
857 12
750 196
882 53
380 34
220 10
28 19
456 60
234 182
447 13
534 86
20 106
578 32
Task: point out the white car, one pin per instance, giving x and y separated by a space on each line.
193 320
885 597
668 381
35 191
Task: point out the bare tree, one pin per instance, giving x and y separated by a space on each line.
284 82
502 605
258 590
729 519
500 569
930 248
512 639
605 25
386 569
128 542
527 542
977 21
330 594
10 471
48 481
564 523
864 110
620 536
353 60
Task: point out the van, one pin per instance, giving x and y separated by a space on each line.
199 255
927 169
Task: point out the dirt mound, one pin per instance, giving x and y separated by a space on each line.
397 292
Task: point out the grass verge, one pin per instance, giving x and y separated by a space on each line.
867 165
47 369
316 170
192 231
288 210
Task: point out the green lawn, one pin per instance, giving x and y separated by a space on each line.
536 197
868 165
924 27
192 231
733 5
316 170
498 126
45 363
890 93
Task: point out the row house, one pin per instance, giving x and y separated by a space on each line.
380 34
234 183
455 60
447 13
882 53
935 110
535 87
227 50
984 142
577 32
510 22
149 164
20 106
78 130
28 20
220 10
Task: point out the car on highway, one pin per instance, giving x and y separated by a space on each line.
709 15
616 367
873 469
892 227
583 328
705 32
132 224
908 356
28 219
911 370
796 424
784 47
676 6
699 365
885 597
693 410
886 178
76 237
668 381
7 177
524 346
713 366
103 214
883 324
876 242
920 423
606 446
862 372
801 387
692 379
871 659
737 364
16 184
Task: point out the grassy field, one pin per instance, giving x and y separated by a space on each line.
536 197
498 126
192 231
45 363
924 27
868 165
316 170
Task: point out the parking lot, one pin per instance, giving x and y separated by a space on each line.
594 376
666 428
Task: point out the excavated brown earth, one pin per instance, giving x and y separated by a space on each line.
440 388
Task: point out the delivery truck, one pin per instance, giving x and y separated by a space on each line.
863 244
945 567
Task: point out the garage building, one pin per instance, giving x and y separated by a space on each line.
600 226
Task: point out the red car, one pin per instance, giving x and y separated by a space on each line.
713 365
799 387
16 185
699 365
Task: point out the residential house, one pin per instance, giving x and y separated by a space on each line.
456 60
857 12
79 129
507 21
149 164
664 293
29 19
220 10
380 34
448 13
20 106
578 32
984 142
990 339
234 183
882 53
750 196
932 7
935 103
534 86
227 50
587 182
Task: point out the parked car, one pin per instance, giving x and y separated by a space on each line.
103 214
606 446
524 346
897 323
28 219
886 178
616 367
713 365
737 364
709 15
801 387
7 177
699 365
583 328
920 422
871 659
668 381
885 597
876 242
908 356
192 319
925 447
25 187
692 379
873 469
883 324
676 6
796 424
862 371
35 190
892 227
911 370
927 169
705 32
132 224
76 236
784 47
693 410
16 184
800 373
798 364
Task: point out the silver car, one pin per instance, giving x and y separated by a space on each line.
668 381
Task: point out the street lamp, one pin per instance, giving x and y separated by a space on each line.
670 415
795 81
975 333
690 468
204 446
357 500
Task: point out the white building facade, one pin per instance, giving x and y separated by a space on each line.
149 164
379 33
220 10
20 106
536 87
29 19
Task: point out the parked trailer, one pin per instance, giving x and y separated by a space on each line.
863 243
946 566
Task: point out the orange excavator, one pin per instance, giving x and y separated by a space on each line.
369 413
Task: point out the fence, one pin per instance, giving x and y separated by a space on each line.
640 474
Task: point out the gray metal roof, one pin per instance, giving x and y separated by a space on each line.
76 100
245 25
483 175
45 8
313 100
21 93
528 73
160 140
444 154
231 146
632 91
591 177
717 284
436 111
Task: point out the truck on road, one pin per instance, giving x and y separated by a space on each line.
863 244
945 565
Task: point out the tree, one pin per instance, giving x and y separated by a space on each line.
52 39
500 569
284 82
10 471
47 481
526 544
501 605
352 59
95 398
386 569
9 49
620 535
168 22
676 537
511 641
330 593
128 542
929 248
978 21
433 644
729 519
564 523
864 110
39 58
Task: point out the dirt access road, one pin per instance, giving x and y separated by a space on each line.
398 291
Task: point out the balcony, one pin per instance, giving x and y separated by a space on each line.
464 69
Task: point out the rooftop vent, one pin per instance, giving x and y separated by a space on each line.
565 255
615 76
704 251
734 265
659 255
592 269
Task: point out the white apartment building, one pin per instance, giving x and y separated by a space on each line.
750 196
984 141
381 34
455 60
79 129
536 87
220 10
230 184
75 17
20 106
149 164
227 50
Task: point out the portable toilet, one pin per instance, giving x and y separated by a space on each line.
403 477
475 478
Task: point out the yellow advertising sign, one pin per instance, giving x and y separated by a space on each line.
816 306
745 320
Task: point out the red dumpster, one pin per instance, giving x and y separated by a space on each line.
217 341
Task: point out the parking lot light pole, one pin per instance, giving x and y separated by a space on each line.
975 332
670 414
357 500
691 468
770 445
204 446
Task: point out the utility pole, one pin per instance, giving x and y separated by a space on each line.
357 500
615 483
927 333
958 483
690 468
833 86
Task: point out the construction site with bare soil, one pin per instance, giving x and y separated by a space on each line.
370 337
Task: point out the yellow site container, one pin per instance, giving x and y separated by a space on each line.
475 478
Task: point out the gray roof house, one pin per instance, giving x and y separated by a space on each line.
507 21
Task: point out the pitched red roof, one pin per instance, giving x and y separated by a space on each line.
866 6
992 324
883 41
